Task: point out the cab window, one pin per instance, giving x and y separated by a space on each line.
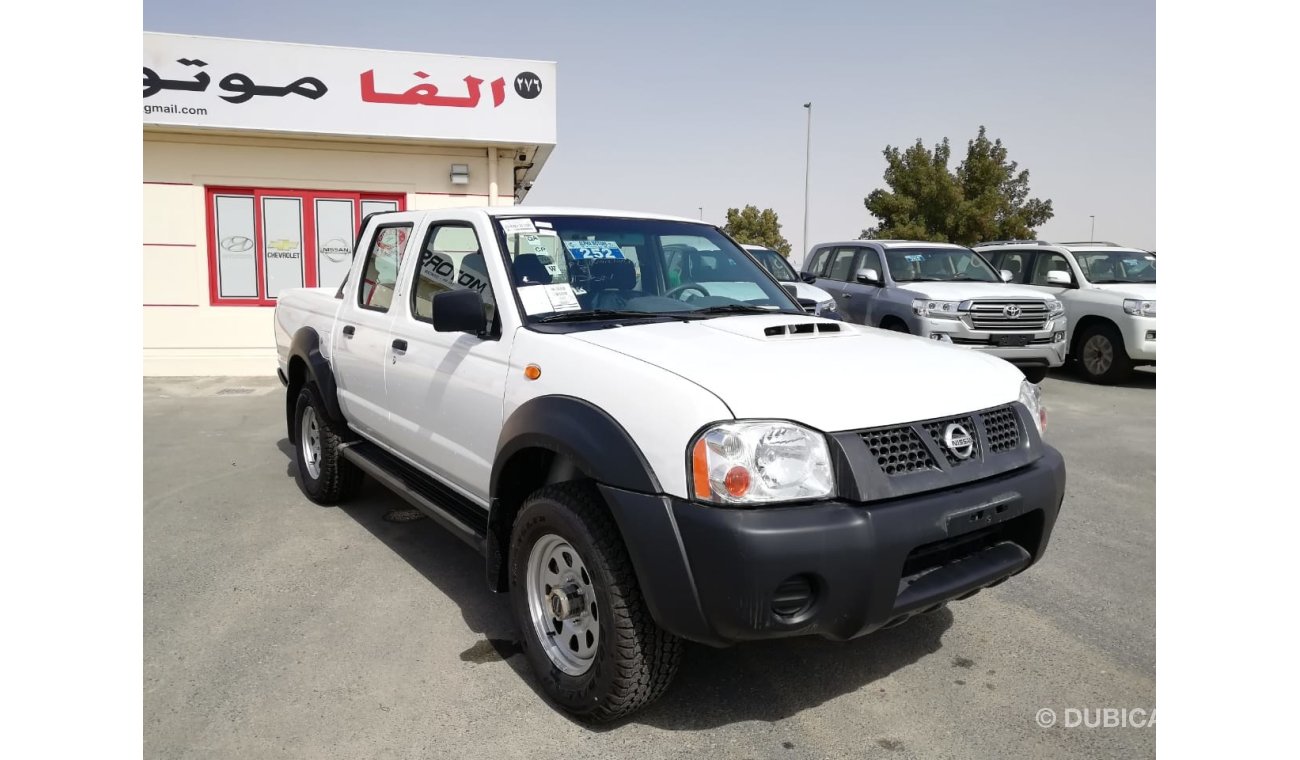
1049 262
451 259
382 262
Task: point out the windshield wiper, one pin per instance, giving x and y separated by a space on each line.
734 308
594 314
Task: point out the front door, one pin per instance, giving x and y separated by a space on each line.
860 298
445 388
361 336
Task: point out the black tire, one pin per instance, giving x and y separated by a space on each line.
1095 343
895 325
337 479
1034 375
635 659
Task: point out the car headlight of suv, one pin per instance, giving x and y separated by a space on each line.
825 307
1055 309
760 462
1139 308
936 309
1032 397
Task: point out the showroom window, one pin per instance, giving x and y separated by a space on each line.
257 239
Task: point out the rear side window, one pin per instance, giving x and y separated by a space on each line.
383 259
818 264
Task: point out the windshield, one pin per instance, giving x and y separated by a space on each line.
774 263
571 268
938 265
1103 267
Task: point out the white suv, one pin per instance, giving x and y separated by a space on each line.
1109 292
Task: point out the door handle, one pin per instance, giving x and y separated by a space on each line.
399 344
348 330
848 295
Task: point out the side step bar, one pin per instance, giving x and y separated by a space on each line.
465 519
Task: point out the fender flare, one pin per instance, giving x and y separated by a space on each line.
586 435
306 346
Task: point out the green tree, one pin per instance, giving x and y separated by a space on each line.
987 198
754 227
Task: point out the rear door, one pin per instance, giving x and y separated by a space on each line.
361 336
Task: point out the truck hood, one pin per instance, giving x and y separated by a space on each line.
961 291
1145 291
835 376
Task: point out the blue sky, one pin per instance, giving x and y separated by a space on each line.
669 106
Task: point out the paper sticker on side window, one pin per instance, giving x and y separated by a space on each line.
594 249
512 226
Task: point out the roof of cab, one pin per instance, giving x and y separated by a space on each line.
530 211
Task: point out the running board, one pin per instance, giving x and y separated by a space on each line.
465 519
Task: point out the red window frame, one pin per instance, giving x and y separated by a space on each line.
309 253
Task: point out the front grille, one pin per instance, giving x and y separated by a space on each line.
1002 427
936 430
994 341
899 450
992 315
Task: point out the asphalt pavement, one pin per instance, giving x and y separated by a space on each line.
276 628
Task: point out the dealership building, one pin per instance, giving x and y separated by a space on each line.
261 158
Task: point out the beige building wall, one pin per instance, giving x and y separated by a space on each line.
184 334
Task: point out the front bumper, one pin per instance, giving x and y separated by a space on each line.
722 575
1140 339
1046 347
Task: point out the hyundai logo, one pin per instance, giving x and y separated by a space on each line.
958 441
1011 310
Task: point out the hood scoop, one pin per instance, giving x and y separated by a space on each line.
801 329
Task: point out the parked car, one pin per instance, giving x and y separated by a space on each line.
620 440
943 292
1109 292
813 299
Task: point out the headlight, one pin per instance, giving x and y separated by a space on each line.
936 309
1032 397
826 309
760 463
1139 308
1055 308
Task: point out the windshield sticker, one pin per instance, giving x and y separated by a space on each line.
1150 258
915 257
518 226
544 225
544 299
594 249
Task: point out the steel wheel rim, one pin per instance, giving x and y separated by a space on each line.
1098 354
562 605
310 441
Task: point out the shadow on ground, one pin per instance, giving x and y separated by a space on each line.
1143 377
765 681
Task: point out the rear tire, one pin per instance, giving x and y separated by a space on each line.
323 474
1101 357
1034 375
609 658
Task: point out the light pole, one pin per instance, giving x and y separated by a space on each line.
701 213
807 158
1092 232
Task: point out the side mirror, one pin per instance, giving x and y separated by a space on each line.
1057 277
790 290
458 311
1006 275
808 277
868 277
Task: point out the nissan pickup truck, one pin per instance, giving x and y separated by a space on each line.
946 293
1109 293
599 403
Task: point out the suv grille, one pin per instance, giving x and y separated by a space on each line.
935 429
898 450
1002 427
1023 316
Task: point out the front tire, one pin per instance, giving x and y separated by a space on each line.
586 629
1101 356
323 474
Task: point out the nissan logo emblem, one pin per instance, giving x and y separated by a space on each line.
958 441
336 250
1011 310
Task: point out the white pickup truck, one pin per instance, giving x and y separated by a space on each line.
605 405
